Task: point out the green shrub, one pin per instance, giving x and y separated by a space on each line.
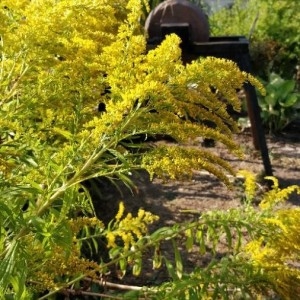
281 104
55 70
271 26
63 60
254 250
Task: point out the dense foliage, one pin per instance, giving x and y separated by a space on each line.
281 104
80 95
272 28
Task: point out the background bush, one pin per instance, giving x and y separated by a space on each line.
272 28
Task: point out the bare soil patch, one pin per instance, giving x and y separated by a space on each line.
170 200
176 201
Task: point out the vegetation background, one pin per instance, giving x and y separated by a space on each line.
79 101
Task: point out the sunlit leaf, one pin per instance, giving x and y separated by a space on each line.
157 258
171 269
189 239
178 260
137 266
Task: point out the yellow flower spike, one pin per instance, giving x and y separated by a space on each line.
274 180
249 184
127 239
111 238
141 213
276 195
120 211
276 222
130 229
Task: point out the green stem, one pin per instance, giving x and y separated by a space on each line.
171 234
79 174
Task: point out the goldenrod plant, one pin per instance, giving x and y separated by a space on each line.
78 87
254 250
259 247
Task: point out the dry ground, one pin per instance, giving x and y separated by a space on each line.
172 200
205 192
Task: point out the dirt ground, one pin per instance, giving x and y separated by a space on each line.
174 201
205 192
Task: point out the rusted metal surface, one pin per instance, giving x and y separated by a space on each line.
174 12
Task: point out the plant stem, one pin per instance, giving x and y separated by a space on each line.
57 290
115 285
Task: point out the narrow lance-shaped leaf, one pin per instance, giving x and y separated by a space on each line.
178 260
170 269
228 235
290 100
19 280
189 239
201 240
123 265
8 264
137 267
157 258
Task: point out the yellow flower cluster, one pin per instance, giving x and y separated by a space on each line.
276 194
277 252
76 57
176 93
58 269
76 51
277 255
77 224
129 228
249 185
52 269
181 162
121 211
62 42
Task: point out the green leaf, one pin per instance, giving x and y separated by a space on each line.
157 258
63 237
137 267
115 252
271 99
165 232
239 241
38 223
8 264
66 134
31 161
170 269
18 281
201 240
123 265
189 239
178 260
286 88
228 235
193 295
290 100
5 211
275 80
